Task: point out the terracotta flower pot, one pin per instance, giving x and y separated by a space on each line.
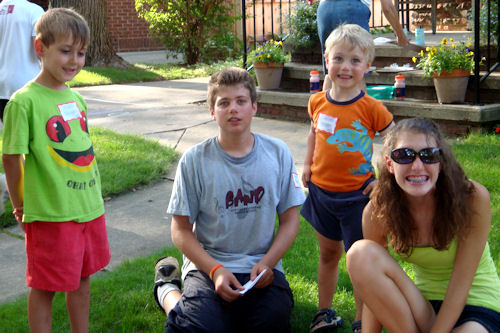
268 76
451 87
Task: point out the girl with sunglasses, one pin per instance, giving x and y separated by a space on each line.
438 220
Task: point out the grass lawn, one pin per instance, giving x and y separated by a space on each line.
90 76
122 299
125 161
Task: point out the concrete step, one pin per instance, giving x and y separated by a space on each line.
455 119
296 78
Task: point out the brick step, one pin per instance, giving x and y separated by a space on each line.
455 119
296 78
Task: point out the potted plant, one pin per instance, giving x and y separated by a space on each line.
268 60
303 40
450 65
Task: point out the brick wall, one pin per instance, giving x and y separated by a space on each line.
128 32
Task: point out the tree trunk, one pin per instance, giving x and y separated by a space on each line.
100 52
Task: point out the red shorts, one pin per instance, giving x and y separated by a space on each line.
61 253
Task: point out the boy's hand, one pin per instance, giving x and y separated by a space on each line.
370 187
18 214
306 175
224 282
266 279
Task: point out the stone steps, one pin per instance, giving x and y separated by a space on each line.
290 101
456 119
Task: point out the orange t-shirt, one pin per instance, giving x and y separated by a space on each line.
342 159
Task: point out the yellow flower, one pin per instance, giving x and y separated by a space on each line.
414 59
260 57
452 40
268 56
281 43
453 46
433 50
427 49
469 38
470 54
422 53
468 45
444 41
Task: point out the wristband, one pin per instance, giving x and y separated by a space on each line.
212 271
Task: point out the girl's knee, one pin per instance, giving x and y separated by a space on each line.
362 255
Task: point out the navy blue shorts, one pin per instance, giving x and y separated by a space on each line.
336 215
200 309
489 318
332 13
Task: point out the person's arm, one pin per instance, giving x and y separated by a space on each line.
287 231
14 175
382 133
391 14
386 130
185 240
372 229
310 145
469 252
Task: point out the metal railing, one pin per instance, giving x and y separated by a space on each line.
404 7
478 54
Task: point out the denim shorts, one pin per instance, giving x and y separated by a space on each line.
261 310
489 318
336 215
332 13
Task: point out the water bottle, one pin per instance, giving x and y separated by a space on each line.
399 87
314 82
419 36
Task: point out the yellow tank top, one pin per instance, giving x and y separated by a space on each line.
433 270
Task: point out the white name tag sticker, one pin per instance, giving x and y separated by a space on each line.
326 123
69 111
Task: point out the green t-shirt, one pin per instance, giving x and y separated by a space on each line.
61 179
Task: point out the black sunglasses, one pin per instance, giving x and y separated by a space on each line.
408 155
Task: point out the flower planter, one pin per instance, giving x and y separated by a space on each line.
451 87
268 76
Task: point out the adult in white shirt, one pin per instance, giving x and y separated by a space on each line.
18 60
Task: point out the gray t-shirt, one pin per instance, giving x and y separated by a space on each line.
233 202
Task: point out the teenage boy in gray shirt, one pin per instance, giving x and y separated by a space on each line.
226 194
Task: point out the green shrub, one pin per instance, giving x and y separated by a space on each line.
302 25
188 27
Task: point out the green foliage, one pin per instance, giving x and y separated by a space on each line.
383 30
446 58
270 51
483 21
302 25
190 27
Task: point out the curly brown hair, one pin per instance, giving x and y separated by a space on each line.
453 193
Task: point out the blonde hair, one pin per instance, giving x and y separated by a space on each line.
353 35
57 22
230 76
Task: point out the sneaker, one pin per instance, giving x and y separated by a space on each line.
4 193
166 271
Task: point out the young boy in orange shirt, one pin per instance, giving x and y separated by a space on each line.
337 167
